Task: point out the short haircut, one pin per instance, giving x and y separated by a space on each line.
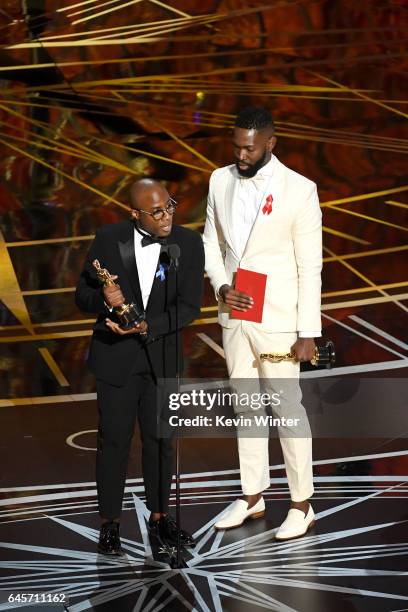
142 185
254 118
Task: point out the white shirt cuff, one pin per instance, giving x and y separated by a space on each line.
311 334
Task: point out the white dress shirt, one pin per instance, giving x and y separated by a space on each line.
146 262
248 196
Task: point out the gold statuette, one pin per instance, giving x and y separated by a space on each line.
129 315
324 356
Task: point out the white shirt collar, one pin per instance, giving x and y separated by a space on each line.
267 169
138 237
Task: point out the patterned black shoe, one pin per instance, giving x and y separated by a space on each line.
109 540
169 530
161 551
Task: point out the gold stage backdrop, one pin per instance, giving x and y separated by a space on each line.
96 93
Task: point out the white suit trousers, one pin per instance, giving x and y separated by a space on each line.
242 345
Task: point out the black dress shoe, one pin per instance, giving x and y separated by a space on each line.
153 527
109 540
161 550
168 532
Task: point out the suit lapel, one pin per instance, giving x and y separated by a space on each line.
275 186
127 253
229 210
158 284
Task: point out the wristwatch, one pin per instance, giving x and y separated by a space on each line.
219 296
143 333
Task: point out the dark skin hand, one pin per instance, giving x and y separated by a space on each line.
113 294
136 329
235 299
114 298
303 349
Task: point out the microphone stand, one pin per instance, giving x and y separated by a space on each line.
178 562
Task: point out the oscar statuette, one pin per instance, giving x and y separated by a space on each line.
129 315
325 355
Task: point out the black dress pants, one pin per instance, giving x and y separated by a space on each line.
118 408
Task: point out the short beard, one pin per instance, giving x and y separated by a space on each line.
253 169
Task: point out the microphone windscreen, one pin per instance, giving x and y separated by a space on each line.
173 251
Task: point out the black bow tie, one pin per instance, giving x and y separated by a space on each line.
148 239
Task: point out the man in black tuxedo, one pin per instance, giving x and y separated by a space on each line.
127 363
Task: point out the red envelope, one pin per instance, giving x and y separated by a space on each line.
253 284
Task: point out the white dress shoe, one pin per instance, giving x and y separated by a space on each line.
239 513
296 524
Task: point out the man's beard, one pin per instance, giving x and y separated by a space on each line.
253 168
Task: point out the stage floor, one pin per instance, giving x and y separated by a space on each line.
354 559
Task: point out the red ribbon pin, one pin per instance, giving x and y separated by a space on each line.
267 208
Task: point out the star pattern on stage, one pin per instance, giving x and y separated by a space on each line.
254 569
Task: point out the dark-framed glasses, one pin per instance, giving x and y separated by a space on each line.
159 213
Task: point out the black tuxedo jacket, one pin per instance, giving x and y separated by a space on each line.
113 357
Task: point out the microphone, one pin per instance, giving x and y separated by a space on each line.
173 251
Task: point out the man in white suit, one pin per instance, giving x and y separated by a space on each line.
264 217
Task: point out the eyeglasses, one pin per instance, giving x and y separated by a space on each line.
159 213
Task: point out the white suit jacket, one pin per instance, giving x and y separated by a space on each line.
286 245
